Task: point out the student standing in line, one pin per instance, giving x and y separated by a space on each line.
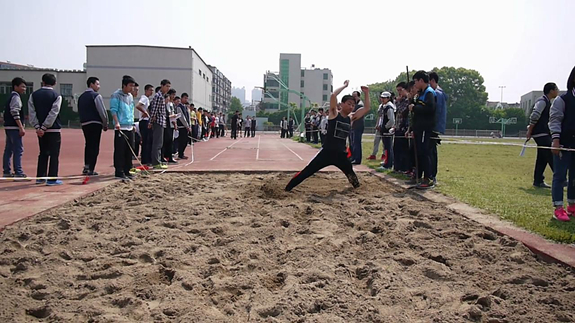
184 128
248 126
122 108
14 129
44 109
253 127
562 126
94 119
168 148
158 123
143 121
234 125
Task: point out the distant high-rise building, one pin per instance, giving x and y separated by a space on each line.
256 95
315 83
239 93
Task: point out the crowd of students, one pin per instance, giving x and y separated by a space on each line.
166 124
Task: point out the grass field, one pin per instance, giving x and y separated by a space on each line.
496 179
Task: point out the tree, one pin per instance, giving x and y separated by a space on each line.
236 105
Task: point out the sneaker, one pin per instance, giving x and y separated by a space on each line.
384 157
172 162
22 175
571 210
426 184
183 157
371 157
560 215
85 171
383 168
160 166
130 176
7 175
352 178
121 177
92 173
54 182
542 185
40 181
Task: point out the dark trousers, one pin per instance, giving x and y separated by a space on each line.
92 135
222 130
315 135
433 143
168 142
137 143
182 141
355 138
544 158
157 143
49 152
402 162
323 159
247 132
388 147
123 143
234 132
146 135
322 137
307 135
282 133
195 131
290 132
253 131
423 153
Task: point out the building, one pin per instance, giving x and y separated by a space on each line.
221 91
240 94
184 67
315 84
68 82
501 105
528 100
256 95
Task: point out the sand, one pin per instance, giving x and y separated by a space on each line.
237 248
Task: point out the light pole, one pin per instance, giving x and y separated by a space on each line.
501 87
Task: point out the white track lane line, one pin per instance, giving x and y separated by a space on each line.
258 151
298 156
228 147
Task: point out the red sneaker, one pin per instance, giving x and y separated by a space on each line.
560 215
371 157
571 210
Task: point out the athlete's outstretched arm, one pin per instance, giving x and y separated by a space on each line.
333 100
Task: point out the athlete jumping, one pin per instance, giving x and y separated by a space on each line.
334 150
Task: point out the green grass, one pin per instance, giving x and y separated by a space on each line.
497 179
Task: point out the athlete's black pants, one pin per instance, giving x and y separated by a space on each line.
323 159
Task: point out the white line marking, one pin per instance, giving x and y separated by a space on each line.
258 152
228 147
298 156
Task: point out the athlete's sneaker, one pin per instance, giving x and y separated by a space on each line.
571 210
21 175
40 181
85 171
425 184
560 215
371 157
54 182
92 173
412 181
7 175
160 166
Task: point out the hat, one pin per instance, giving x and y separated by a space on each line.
385 94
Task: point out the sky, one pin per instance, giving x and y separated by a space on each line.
517 44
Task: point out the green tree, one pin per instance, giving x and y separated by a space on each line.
236 105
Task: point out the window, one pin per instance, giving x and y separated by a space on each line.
66 90
325 87
302 73
324 97
200 72
208 79
301 83
325 76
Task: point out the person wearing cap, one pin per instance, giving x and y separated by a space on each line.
386 129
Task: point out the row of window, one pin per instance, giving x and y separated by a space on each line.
204 75
325 75
325 88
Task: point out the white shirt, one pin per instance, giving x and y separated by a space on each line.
146 102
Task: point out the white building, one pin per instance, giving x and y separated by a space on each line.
256 95
185 69
68 83
528 100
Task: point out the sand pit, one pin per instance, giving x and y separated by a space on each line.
236 248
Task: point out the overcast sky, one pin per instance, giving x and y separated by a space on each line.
518 44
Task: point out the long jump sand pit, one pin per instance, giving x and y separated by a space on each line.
236 248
